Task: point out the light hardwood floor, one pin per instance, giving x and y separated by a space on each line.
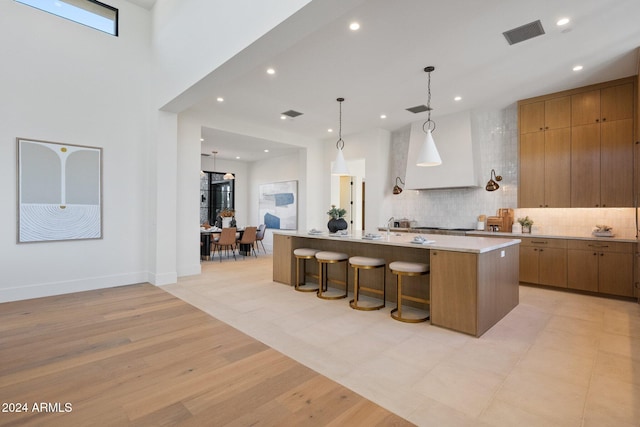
139 356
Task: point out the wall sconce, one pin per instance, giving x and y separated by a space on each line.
492 185
396 188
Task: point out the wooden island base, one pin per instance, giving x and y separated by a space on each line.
472 284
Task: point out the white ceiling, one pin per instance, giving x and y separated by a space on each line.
379 69
147 4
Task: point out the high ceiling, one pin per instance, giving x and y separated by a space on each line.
379 68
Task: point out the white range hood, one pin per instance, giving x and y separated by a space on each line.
460 161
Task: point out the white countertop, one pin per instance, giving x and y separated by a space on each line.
436 241
615 238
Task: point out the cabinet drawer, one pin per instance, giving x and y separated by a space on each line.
601 246
543 243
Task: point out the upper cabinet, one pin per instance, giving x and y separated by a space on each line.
576 147
545 160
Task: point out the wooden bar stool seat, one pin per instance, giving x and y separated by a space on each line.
365 263
408 269
324 259
302 255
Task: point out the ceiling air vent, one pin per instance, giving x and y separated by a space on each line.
419 109
524 32
291 113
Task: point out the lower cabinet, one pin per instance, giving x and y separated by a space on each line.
543 261
599 266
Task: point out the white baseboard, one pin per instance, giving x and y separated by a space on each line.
66 287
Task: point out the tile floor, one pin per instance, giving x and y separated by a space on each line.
558 359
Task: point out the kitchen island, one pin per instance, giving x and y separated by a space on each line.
473 281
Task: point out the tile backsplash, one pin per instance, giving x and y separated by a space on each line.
496 136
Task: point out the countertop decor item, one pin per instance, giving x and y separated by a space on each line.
428 154
602 231
337 222
526 224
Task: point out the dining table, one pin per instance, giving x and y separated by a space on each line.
206 235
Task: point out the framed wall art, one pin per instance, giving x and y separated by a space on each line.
278 205
59 191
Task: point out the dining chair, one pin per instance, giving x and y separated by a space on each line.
260 236
248 240
227 240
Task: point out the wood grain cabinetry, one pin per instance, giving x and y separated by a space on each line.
576 147
471 292
543 261
602 147
545 144
598 266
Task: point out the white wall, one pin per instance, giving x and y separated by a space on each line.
65 82
374 148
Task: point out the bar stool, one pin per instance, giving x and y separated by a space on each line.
304 254
364 263
324 259
400 269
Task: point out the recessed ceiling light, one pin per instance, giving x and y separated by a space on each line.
563 21
577 68
220 99
237 157
329 130
283 117
266 151
354 26
271 71
383 116
457 98
201 139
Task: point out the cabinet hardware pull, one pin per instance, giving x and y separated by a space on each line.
598 246
604 119
539 242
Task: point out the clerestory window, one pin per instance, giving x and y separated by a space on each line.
86 12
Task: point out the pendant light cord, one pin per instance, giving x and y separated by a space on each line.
340 142
429 122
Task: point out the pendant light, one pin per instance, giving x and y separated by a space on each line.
227 176
340 166
428 155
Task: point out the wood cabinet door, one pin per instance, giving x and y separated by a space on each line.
582 270
529 264
553 267
615 273
557 113
453 283
616 163
585 108
531 185
585 166
557 168
616 102
532 117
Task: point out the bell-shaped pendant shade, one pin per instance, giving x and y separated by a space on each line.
228 176
428 155
340 166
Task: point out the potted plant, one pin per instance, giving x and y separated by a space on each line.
337 222
526 224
